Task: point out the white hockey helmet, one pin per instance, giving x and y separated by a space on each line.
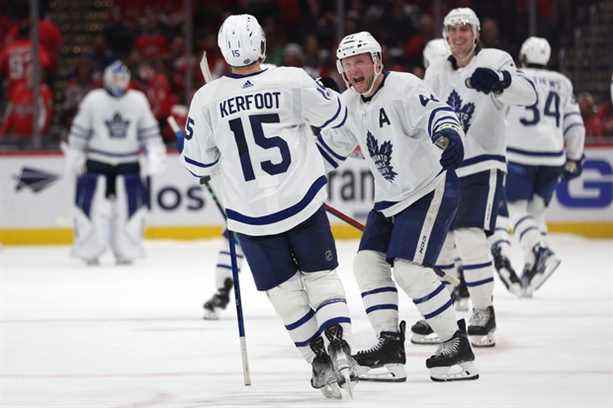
535 50
241 40
461 16
359 43
116 78
434 50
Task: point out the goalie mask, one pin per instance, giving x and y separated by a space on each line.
355 44
241 40
116 79
535 50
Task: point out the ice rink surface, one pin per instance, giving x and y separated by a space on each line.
132 337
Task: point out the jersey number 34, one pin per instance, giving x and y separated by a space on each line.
273 142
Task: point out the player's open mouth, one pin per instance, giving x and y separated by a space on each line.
358 80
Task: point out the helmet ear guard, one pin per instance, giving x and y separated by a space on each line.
241 40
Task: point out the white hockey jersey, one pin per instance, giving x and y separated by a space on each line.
545 133
482 116
252 132
394 130
114 130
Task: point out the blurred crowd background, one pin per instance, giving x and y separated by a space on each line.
162 41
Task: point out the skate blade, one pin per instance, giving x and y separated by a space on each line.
210 315
483 341
466 370
332 391
539 280
347 384
429 339
387 373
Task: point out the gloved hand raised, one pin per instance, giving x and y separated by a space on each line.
450 141
487 80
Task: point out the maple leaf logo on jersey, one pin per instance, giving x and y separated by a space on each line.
118 128
382 156
465 113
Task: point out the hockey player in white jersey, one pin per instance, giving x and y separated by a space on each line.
434 50
399 123
113 127
545 142
480 85
250 131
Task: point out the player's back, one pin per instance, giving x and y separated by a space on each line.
271 172
536 133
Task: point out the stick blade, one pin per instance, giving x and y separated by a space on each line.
204 68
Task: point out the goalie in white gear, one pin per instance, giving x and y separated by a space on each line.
480 85
250 131
113 126
399 125
545 143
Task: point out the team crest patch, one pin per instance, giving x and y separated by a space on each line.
117 126
464 112
382 156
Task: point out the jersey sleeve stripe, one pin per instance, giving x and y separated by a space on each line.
283 214
342 121
325 155
113 154
327 148
482 157
338 110
535 153
572 114
572 126
198 164
433 114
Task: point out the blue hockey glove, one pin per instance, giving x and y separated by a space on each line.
487 80
573 168
453 149
329 83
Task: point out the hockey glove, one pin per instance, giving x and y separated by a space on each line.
329 83
453 152
573 168
487 80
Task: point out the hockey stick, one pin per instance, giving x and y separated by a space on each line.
237 291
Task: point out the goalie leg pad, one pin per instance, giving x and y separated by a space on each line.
223 268
128 224
326 295
379 294
291 303
429 295
91 218
478 265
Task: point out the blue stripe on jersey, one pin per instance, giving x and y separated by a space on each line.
535 153
572 126
329 149
571 114
283 214
382 205
198 164
433 113
443 119
325 155
338 110
379 290
79 135
482 158
111 154
301 321
342 121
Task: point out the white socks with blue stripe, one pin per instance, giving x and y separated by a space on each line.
223 268
429 295
474 249
379 294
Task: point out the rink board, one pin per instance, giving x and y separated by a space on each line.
36 200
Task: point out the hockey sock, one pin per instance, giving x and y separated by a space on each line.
326 295
477 265
379 294
526 229
501 237
292 304
223 268
429 295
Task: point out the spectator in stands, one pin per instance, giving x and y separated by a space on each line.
594 127
414 46
118 37
17 124
80 83
151 43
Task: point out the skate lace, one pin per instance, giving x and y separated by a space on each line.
373 349
448 348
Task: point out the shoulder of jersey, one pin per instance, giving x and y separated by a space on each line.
493 55
439 65
136 94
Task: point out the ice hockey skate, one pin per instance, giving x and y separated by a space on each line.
384 362
454 359
506 273
324 376
345 367
545 264
422 333
218 302
482 326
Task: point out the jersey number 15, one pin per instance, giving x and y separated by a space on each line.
273 142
